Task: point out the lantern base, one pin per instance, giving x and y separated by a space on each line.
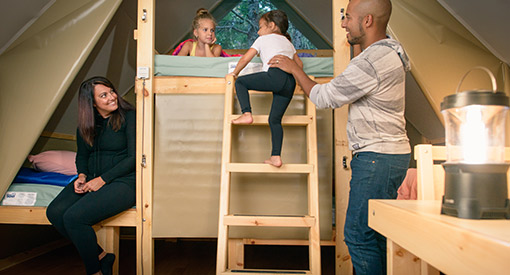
476 191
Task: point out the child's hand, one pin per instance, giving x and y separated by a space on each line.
232 74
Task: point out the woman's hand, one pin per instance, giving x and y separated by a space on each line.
94 185
78 184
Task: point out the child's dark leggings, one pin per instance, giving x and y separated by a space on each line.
282 85
74 214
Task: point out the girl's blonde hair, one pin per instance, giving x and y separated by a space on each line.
201 14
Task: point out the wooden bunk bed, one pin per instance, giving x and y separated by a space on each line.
148 86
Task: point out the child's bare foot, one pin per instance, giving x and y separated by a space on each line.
275 161
245 118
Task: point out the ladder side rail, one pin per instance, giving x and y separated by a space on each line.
313 190
221 264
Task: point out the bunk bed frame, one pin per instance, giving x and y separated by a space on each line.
146 88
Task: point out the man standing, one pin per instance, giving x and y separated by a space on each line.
374 85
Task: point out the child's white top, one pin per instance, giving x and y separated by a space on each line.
270 45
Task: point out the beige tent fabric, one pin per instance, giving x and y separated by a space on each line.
441 51
187 166
36 70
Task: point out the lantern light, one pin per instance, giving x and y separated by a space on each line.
475 170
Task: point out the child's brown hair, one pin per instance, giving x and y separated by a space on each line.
279 18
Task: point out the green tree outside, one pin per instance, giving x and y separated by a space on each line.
238 29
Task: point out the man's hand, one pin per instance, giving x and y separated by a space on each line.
284 63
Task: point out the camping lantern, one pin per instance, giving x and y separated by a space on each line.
475 170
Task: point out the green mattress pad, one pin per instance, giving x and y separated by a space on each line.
28 194
170 65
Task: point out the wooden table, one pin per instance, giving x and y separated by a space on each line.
450 244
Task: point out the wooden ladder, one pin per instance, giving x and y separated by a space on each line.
309 220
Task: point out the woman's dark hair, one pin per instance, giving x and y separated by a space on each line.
87 112
279 18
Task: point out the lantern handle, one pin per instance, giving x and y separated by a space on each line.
493 79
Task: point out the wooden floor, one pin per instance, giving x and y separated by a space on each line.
176 257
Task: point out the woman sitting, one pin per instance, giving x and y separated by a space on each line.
105 161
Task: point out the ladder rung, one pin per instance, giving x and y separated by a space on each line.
267 220
298 120
297 91
267 168
268 271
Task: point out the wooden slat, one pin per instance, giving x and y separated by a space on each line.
189 85
267 272
286 120
23 215
203 85
58 135
425 172
314 249
439 152
221 253
297 91
317 53
145 24
37 215
341 58
278 221
285 242
236 254
126 218
401 261
267 168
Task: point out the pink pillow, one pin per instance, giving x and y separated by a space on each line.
55 161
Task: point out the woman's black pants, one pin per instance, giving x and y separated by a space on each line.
73 215
282 85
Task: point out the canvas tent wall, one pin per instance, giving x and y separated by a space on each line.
37 69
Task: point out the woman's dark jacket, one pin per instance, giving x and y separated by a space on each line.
112 155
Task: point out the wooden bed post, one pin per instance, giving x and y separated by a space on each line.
144 135
341 58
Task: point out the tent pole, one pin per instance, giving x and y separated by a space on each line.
144 135
341 57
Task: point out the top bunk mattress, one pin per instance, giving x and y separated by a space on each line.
170 65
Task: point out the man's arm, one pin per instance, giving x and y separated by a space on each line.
290 66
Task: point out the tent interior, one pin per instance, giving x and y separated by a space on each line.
48 47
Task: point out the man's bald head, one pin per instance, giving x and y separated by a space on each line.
379 9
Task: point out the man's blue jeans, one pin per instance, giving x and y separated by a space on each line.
374 176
